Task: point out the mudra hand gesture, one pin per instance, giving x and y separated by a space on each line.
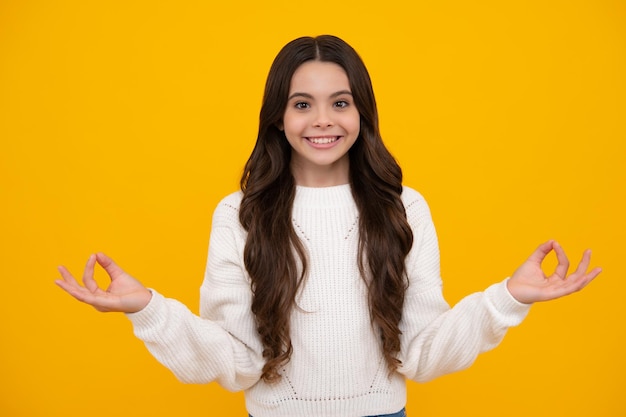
124 294
529 284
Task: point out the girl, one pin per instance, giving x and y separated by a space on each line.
322 291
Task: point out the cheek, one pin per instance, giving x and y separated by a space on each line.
292 130
292 124
354 123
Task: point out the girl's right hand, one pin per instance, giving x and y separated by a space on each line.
124 294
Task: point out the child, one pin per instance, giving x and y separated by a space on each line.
322 291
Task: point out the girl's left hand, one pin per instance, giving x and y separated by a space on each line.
529 283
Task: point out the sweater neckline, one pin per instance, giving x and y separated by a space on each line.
334 196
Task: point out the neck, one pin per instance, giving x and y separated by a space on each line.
321 176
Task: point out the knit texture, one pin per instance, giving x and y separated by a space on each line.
337 368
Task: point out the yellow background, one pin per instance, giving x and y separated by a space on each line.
122 124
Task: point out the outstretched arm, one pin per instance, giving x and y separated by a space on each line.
124 294
529 283
437 339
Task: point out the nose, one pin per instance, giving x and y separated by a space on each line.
322 118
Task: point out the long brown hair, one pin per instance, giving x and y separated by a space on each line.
274 256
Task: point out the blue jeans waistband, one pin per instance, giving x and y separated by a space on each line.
401 413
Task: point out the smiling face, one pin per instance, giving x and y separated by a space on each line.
321 123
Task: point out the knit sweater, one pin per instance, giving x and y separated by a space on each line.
336 368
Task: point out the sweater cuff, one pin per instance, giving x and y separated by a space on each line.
504 306
150 314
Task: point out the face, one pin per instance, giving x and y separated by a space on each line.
321 123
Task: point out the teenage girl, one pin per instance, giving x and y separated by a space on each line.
322 292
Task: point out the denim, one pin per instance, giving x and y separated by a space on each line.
401 413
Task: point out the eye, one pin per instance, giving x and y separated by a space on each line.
301 105
341 104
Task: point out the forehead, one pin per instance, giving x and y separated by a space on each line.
318 76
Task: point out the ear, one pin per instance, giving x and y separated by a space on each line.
280 126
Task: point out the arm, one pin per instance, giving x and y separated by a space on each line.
438 339
220 345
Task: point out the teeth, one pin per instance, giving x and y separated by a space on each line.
322 141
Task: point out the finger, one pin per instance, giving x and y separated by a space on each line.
541 252
109 265
100 301
581 278
68 288
594 273
574 284
583 265
563 262
581 270
68 278
72 287
68 283
88 280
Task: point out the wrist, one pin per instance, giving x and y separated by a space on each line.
142 299
518 292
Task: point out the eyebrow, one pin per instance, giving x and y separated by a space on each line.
309 96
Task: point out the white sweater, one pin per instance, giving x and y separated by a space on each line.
336 368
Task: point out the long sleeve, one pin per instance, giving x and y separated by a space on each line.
221 344
336 368
438 339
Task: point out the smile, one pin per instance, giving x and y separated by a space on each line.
322 140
